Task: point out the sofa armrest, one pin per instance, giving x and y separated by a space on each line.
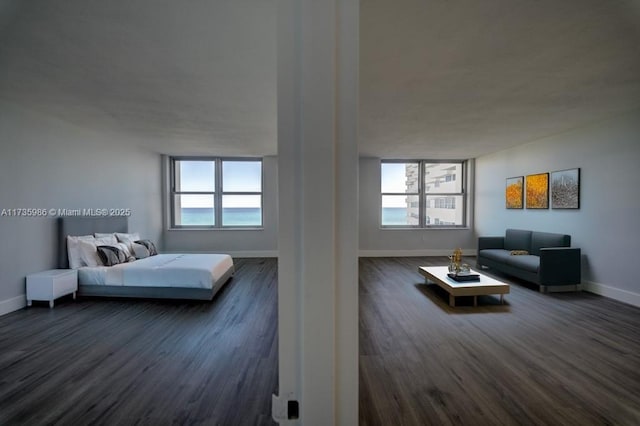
560 266
490 243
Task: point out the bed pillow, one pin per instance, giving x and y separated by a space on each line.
73 250
128 239
107 237
89 251
140 251
122 246
144 248
127 251
149 245
111 255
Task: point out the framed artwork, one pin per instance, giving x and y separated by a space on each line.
513 194
537 190
565 189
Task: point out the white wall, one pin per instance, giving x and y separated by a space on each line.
238 243
376 241
46 163
607 225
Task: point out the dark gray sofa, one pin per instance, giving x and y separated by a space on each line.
551 263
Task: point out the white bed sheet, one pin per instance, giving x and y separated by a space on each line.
162 270
92 275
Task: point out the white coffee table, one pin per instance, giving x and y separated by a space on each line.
486 285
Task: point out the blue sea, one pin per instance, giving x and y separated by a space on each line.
253 217
394 216
230 216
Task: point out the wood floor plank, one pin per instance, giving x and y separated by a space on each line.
540 359
145 362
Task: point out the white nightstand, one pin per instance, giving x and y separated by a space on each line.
49 285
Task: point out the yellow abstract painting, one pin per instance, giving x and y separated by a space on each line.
513 192
538 191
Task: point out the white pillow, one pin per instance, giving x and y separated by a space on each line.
127 251
73 249
113 241
112 238
89 250
128 239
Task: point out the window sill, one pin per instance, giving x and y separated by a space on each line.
216 229
430 228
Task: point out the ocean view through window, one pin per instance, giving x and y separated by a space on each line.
422 193
216 193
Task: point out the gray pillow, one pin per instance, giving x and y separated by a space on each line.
110 255
149 246
140 251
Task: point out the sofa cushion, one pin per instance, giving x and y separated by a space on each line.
529 262
497 255
517 239
546 239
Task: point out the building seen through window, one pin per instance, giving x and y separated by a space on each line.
422 193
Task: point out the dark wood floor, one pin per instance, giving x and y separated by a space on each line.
126 362
560 359
540 359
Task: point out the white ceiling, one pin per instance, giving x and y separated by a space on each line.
438 79
462 78
196 77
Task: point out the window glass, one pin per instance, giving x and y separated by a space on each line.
194 209
422 193
400 178
400 210
195 176
242 176
198 199
444 210
442 178
242 210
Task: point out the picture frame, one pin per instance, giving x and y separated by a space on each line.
565 189
537 191
514 192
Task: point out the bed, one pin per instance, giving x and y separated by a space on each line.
165 276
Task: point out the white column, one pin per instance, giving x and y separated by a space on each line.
318 230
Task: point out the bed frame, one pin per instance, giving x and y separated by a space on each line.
81 225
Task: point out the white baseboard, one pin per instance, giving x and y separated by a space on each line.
241 253
620 295
13 304
413 253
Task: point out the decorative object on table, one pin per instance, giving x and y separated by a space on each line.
514 192
464 277
565 189
460 271
454 261
537 189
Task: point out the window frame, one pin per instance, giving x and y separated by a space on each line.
218 193
423 196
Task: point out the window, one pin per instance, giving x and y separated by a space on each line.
216 193
400 193
422 193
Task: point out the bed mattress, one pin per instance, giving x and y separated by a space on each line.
201 271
